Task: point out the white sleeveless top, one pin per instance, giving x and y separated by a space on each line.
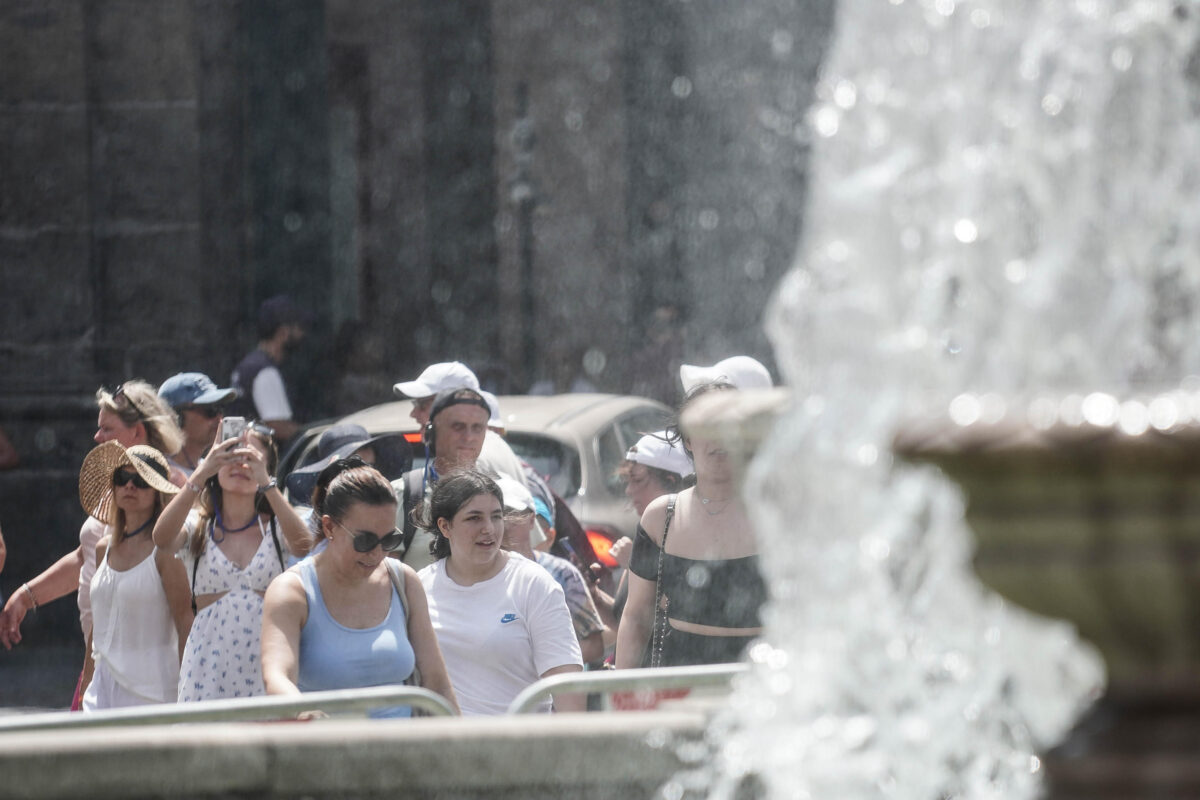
132 630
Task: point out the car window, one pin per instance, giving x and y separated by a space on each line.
610 452
552 459
637 424
614 443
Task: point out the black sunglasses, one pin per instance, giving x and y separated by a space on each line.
124 475
212 412
365 541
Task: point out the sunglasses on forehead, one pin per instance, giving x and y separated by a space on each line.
365 541
124 475
121 400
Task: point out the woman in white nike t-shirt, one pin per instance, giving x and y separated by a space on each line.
501 620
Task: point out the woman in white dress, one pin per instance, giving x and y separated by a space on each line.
140 608
233 543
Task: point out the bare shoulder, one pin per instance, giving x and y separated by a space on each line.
287 588
654 518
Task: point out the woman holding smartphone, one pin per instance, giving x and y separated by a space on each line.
234 531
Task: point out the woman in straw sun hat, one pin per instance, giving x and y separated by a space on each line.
140 608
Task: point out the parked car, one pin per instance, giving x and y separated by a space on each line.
577 441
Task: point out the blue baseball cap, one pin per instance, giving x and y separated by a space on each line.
193 389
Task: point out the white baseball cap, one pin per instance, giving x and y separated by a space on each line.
653 450
742 371
516 496
438 378
495 421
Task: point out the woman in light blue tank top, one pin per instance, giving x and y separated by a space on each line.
336 621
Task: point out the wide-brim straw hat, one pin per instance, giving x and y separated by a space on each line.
96 475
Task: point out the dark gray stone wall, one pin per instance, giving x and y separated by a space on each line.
514 184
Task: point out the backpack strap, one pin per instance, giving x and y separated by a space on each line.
396 573
414 492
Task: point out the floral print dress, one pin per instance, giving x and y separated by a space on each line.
222 655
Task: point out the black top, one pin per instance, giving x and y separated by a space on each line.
725 593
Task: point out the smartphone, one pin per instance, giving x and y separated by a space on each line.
232 427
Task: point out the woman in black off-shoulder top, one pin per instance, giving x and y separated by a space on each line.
706 582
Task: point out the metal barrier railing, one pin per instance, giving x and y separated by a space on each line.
242 709
360 701
624 680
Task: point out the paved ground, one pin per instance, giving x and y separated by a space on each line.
38 677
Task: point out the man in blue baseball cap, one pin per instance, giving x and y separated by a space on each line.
200 404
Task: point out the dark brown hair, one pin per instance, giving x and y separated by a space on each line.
449 495
345 482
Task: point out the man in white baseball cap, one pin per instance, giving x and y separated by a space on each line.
436 378
743 372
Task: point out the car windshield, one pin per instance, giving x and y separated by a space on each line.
552 459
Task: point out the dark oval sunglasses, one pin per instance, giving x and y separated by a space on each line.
365 541
124 475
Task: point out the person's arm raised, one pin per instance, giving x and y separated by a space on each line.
295 532
168 533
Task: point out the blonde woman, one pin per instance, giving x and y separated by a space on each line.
140 604
131 414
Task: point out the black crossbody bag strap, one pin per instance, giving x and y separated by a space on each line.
660 616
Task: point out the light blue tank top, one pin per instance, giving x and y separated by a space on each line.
333 656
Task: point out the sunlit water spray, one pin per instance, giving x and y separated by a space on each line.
1004 204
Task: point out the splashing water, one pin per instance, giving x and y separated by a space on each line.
1005 200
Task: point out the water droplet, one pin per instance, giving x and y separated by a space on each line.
594 361
845 94
697 576
782 42
45 439
1016 271
573 119
827 120
964 410
910 239
1043 413
440 291
966 231
1052 104
1134 418
980 18
867 455
838 251
755 269
1164 413
944 7
1100 409
1035 765
1122 58
292 222
681 87
709 219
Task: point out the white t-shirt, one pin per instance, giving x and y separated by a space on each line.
498 636
270 396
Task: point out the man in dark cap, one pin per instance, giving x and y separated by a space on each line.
263 395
